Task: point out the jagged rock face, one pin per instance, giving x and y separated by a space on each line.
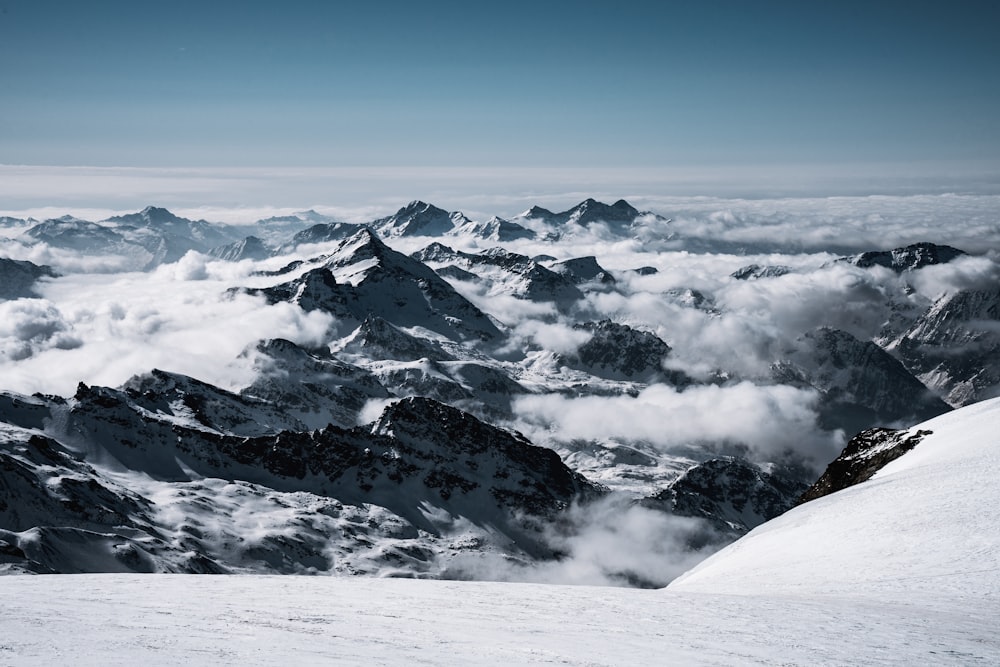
185 398
756 272
311 386
618 351
908 258
955 346
732 494
18 278
249 248
376 280
583 270
419 219
861 384
520 475
865 454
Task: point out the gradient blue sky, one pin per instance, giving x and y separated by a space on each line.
514 83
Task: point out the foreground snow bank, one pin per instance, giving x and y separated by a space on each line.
254 620
926 525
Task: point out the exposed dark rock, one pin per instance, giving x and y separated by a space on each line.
865 454
908 258
18 278
756 272
732 494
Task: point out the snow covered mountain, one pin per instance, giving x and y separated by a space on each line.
363 277
495 229
503 272
954 347
419 219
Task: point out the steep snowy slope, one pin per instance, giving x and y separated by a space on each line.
925 526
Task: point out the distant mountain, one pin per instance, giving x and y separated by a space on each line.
419 219
18 278
586 212
321 233
757 272
10 221
249 248
495 229
908 258
75 234
620 217
167 236
308 217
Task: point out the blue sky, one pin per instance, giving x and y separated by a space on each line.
581 84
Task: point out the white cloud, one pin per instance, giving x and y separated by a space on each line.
610 542
769 420
102 329
30 326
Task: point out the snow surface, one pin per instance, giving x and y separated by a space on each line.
899 570
251 620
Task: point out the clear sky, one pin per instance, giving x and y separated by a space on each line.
583 84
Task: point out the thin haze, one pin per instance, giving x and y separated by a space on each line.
596 84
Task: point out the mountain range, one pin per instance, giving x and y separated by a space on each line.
431 424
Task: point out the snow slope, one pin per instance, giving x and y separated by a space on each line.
924 527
